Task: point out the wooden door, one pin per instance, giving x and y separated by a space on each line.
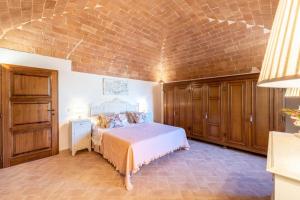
182 114
262 117
197 111
30 121
169 105
212 116
237 131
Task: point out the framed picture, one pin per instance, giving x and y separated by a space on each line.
115 87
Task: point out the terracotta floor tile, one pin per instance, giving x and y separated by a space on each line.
205 172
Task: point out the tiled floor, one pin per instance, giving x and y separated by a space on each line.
204 172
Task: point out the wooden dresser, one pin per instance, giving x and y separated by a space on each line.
284 163
231 111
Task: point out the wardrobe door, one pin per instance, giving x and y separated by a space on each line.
278 105
30 120
237 131
262 117
169 105
183 117
197 111
213 112
1 136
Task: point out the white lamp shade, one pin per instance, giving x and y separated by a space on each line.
281 65
292 93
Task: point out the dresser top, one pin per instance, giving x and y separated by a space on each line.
80 120
284 155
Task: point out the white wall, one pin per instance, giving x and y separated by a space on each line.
81 89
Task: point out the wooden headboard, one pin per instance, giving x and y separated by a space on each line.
114 106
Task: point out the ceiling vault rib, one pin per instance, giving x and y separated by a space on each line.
74 48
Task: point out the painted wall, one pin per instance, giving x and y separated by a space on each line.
78 90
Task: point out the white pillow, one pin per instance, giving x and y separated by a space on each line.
123 118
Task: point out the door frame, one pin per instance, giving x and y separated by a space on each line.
6 109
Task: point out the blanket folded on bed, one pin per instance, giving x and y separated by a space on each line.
128 148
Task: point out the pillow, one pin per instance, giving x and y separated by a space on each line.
138 117
111 120
130 117
107 120
123 119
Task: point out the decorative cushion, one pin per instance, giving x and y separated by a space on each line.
111 120
140 117
123 119
130 117
107 120
137 117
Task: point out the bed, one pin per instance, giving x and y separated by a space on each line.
130 147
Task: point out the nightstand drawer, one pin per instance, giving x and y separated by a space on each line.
82 126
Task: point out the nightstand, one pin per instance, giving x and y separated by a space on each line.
81 130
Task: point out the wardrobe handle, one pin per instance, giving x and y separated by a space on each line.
206 116
283 118
251 119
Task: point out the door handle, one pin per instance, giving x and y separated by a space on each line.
52 111
206 116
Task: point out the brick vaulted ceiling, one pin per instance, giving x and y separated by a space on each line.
139 38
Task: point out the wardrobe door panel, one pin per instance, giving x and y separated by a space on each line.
183 117
1 118
197 110
213 111
262 109
236 134
169 105
278 116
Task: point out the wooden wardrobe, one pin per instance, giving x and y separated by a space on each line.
230 111
29 114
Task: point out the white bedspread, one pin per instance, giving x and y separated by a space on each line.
128 148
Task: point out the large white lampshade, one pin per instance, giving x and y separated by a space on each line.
292 93
281 65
